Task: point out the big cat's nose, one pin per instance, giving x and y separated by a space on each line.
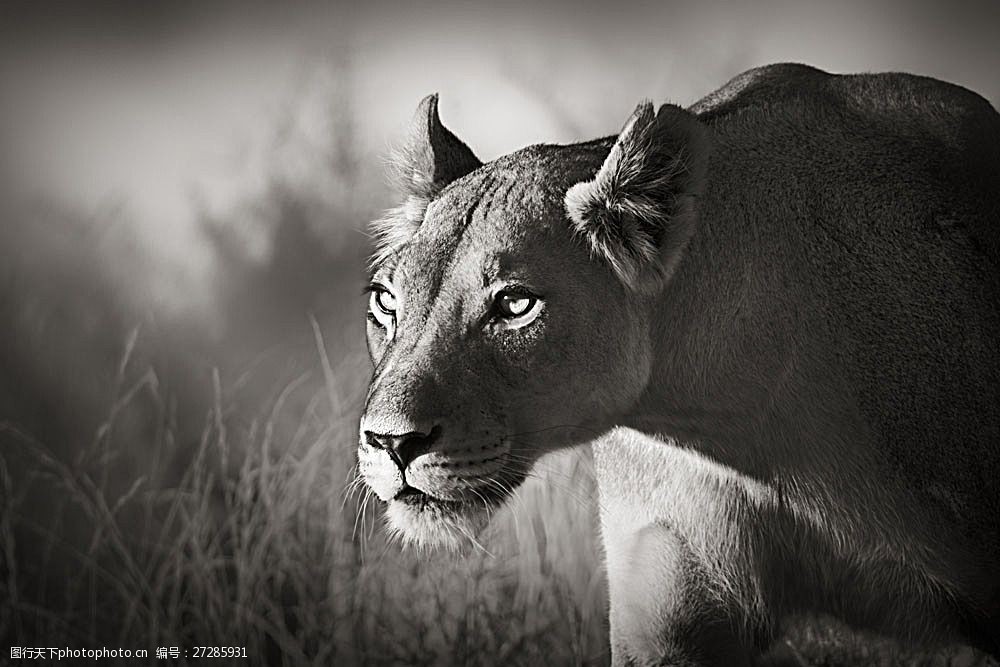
405 447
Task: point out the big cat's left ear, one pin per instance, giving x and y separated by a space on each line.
638 212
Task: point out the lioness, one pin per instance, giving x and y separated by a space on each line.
776 317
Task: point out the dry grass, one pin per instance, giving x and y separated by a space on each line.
263 543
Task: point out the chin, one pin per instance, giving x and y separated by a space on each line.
436 524
425 522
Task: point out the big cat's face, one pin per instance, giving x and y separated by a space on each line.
495 338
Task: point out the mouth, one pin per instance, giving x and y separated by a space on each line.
423 520
414 498
488 497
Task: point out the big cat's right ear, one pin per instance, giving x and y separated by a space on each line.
430 158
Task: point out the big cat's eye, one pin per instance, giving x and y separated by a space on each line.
516 308
384 301
382 305
514 305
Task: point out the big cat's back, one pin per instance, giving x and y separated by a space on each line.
948 134
886 189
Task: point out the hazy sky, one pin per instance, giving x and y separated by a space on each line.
161 106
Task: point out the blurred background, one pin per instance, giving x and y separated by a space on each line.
184 194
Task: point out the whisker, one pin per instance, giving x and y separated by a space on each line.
574 494
551 476
486 504
552 428
393 536
469 536
352 472
371 531
359 512
534 462
351 490
517 503
509 493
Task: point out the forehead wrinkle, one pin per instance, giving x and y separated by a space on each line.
497 195
447 243
450 239
477 216
494 257
487 187
450 236
436 237
481 204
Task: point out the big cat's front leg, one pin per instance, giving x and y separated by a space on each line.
679 573
662 610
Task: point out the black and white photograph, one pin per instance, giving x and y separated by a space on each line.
498 334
